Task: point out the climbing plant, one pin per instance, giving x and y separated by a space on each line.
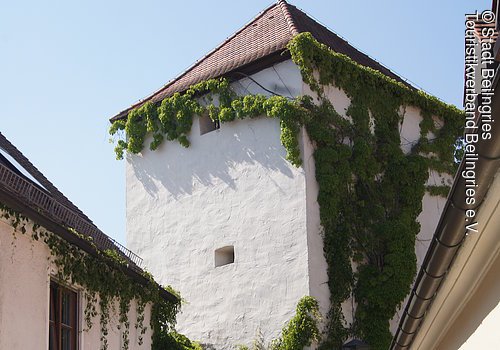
301 331
370 191
173 117
105 281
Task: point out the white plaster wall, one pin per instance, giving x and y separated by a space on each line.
25 274
282 78
230 187
317 263
432 206
24 292
318 274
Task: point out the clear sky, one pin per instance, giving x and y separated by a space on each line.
67 66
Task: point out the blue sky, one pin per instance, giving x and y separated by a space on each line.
67 66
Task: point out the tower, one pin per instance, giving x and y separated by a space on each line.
229 221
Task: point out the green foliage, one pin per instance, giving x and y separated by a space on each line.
258 343
243 347
302 329
175 341
173 118
104 278
370 192
298 333
441 191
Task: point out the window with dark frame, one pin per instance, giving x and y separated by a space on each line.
63 318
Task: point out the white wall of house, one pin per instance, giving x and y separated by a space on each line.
24 291
25 274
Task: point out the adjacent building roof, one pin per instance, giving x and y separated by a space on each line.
48 199
259 44
25 189
12 151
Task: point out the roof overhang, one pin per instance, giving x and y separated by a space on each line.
259 44
20 206
236 74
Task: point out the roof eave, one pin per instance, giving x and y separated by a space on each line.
248 69
19 206
123 114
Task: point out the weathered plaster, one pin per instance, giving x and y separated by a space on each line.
234 187
230 187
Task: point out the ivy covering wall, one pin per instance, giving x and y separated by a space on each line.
370 191
301 331
105 283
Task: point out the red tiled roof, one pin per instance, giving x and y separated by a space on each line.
266 35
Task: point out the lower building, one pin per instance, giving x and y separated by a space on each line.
64 285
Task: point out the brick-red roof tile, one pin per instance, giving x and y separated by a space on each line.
267 34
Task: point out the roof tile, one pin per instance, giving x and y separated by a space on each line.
267 34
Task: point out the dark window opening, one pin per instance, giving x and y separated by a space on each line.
207 124
224 256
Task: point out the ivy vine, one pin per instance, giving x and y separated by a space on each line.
370 191
439 191
105 281
301 331
173 118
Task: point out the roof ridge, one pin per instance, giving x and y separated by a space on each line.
201 59
288 16
258 43
341 41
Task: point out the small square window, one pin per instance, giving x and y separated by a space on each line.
224 256
207 124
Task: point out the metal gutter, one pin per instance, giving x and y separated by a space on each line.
450 233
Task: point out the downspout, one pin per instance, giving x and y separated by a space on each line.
450 232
